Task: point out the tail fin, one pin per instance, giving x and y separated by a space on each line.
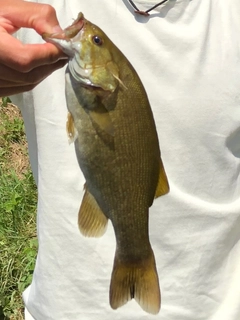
138 281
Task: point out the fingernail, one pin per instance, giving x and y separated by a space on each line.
57 29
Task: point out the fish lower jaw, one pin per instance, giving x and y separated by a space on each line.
79 76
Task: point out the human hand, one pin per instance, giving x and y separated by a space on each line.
23 66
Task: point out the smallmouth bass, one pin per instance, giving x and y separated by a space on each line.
117 148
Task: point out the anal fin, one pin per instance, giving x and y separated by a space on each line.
91 220
163 186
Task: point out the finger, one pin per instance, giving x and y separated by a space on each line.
5 92
11 77
41 17
32 78
25 57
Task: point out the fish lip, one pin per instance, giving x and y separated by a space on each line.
68 33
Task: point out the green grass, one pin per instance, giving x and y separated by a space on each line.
18 198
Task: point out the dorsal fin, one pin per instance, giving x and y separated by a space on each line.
163 186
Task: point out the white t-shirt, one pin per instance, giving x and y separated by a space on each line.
187 54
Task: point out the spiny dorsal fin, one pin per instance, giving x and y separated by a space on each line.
91 220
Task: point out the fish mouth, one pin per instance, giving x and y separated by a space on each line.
70 42
63 39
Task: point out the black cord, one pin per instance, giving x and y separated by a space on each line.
145 13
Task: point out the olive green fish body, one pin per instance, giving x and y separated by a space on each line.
118 152
122 170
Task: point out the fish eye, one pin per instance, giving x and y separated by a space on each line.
97 40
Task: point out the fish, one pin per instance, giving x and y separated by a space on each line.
117 147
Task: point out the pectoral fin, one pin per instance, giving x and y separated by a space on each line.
91 220
163 186
102 123
100 116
